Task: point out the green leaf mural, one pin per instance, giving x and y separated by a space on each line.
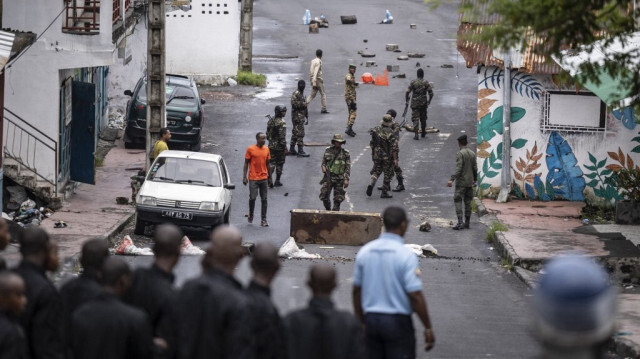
602 180
491 124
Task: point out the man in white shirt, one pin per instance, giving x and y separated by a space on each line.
317 84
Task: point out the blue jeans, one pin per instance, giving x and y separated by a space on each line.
389 336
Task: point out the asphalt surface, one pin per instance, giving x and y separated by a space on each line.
478 307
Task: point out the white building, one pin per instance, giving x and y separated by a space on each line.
204 41
56 91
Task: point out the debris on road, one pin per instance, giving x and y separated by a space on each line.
400 76
370 64
388 19
446 66
290 250
425 226
367 78
60 224
231 82
122 200
393 68
382 80
306 18
403 57
416 55
320 21
367 54
413 26
365 41
188 249
422 250
313 28
116 120
128 248
392 47
348 19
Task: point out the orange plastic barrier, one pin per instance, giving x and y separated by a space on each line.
382 80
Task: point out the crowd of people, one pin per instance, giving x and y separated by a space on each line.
112 311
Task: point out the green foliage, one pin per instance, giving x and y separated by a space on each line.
628 181
496 226
491 124
562 24
603 180
251 79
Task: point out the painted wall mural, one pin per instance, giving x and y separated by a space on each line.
549 165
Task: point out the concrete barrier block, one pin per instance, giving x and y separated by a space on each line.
393 68
329 227
392 47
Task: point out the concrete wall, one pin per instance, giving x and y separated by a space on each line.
204 42
33 81
554 163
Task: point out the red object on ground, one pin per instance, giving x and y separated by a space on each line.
382 80
367 78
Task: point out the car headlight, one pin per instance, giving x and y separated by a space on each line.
187 118
210 206
146 200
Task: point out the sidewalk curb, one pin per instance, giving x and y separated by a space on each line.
481 210
118 227
505 249
625 347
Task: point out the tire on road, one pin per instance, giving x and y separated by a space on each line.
227 215
139 226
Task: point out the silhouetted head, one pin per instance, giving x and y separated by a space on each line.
94 252
167 240
319 53
116 275
225 249
462 140
322 279
37 248
261 139
12 293
301 85
395 220
420 73
165 134
392 112
265 262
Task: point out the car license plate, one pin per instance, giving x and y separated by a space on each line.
172 123
178 215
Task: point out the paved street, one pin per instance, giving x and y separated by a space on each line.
478 308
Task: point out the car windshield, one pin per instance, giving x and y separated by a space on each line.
176 96
184 170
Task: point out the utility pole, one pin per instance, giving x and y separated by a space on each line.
156 106
2 128
505 177
246 36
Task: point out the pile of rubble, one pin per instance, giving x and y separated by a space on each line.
22 210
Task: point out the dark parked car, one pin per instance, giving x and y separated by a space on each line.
185 116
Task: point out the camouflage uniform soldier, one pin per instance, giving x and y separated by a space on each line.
298 115
336 166
396 167
384 144
350 97
277 136
465 176
419 102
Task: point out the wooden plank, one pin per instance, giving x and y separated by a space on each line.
329 227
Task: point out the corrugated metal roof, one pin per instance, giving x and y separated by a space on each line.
6 44
476 54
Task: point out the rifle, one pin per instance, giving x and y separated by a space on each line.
327 174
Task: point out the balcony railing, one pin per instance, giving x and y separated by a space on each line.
82 16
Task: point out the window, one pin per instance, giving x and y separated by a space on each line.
183 170
83 16
573 112
225 177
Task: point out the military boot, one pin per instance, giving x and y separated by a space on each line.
301 152
467 219
415 136
380 188
277 183
424 132
292 150
336 206
370 187
327 205
350 132
385 193
400 186
459 225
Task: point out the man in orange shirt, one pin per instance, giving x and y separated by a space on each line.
256 162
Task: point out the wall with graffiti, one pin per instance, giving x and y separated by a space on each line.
548 164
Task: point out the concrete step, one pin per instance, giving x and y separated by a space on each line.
28 179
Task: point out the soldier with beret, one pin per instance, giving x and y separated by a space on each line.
465 176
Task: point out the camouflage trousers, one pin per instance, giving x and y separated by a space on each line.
297 132
380 166
353 112
335 183
278 157
463 194
396 169
419 114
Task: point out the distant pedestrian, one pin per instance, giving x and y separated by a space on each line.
214 320
465 176
387 289
257 160
350 85
87 286
162 143
419 102
336 170
277 137
317 84
320 331
299 118
384 146
152 289
108 328
396 168
13 343
42 317
5 238
267 330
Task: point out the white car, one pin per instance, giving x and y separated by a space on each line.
190 189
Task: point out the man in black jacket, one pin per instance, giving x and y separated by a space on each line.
214 320
152 289
267 329
86 286
107 328
13 343
42 318
321 331
5 237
